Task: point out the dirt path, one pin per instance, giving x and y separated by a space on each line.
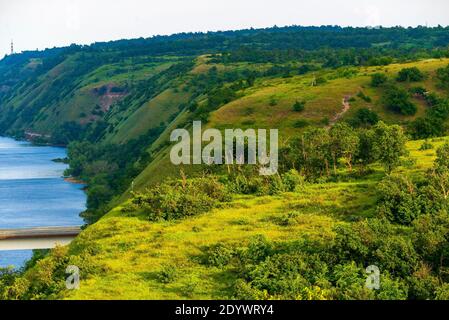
338 116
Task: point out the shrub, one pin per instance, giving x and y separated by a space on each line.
443 77
180 199
218 255
364 117
410 75
398 100
168 274
299 106
426 145
252 183
288 218
300 124
378 79
420 91
292 180
364 97
398 200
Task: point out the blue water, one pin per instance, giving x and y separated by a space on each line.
33 193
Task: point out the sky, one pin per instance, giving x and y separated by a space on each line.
40 24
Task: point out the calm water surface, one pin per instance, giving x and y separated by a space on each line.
33 193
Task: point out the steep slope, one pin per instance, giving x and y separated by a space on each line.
269 104
124 256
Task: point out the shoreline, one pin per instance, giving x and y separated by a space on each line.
74 180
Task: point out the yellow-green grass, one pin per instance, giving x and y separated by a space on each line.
156 111
124 72
133 250
325 101
255 107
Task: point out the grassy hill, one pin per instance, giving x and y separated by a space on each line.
254 107
115 105
125 256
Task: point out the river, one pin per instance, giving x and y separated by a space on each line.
33 192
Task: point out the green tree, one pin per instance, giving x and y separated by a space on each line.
398 199
315 153
389 145
364 117
365 153
344 143
398 100
443 77
430 239
410 75
442 159
378 79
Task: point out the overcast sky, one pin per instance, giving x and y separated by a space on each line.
47 23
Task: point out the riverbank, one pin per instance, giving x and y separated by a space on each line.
75 181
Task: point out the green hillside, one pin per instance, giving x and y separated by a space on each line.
362 116
254 106
125 256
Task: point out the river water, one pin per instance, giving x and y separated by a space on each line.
33 192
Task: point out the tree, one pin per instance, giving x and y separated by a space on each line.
314 150
410 75
389 145
378 79
442 159
398 100
344 143
443 77
435 194
398 199
364 117
365 153
430 239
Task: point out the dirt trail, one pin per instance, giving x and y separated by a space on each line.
338 116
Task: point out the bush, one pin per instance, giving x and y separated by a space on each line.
398 200
378 79
398 100
252 183
298 124
299 106
168 274
292 180
426 145
364 97
287 219
410 75
420 91
218 255
179 199
364 117
443 77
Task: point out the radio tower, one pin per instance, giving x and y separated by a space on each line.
12 47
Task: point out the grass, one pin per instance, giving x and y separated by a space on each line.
156 111
253 109
134 251
323 101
